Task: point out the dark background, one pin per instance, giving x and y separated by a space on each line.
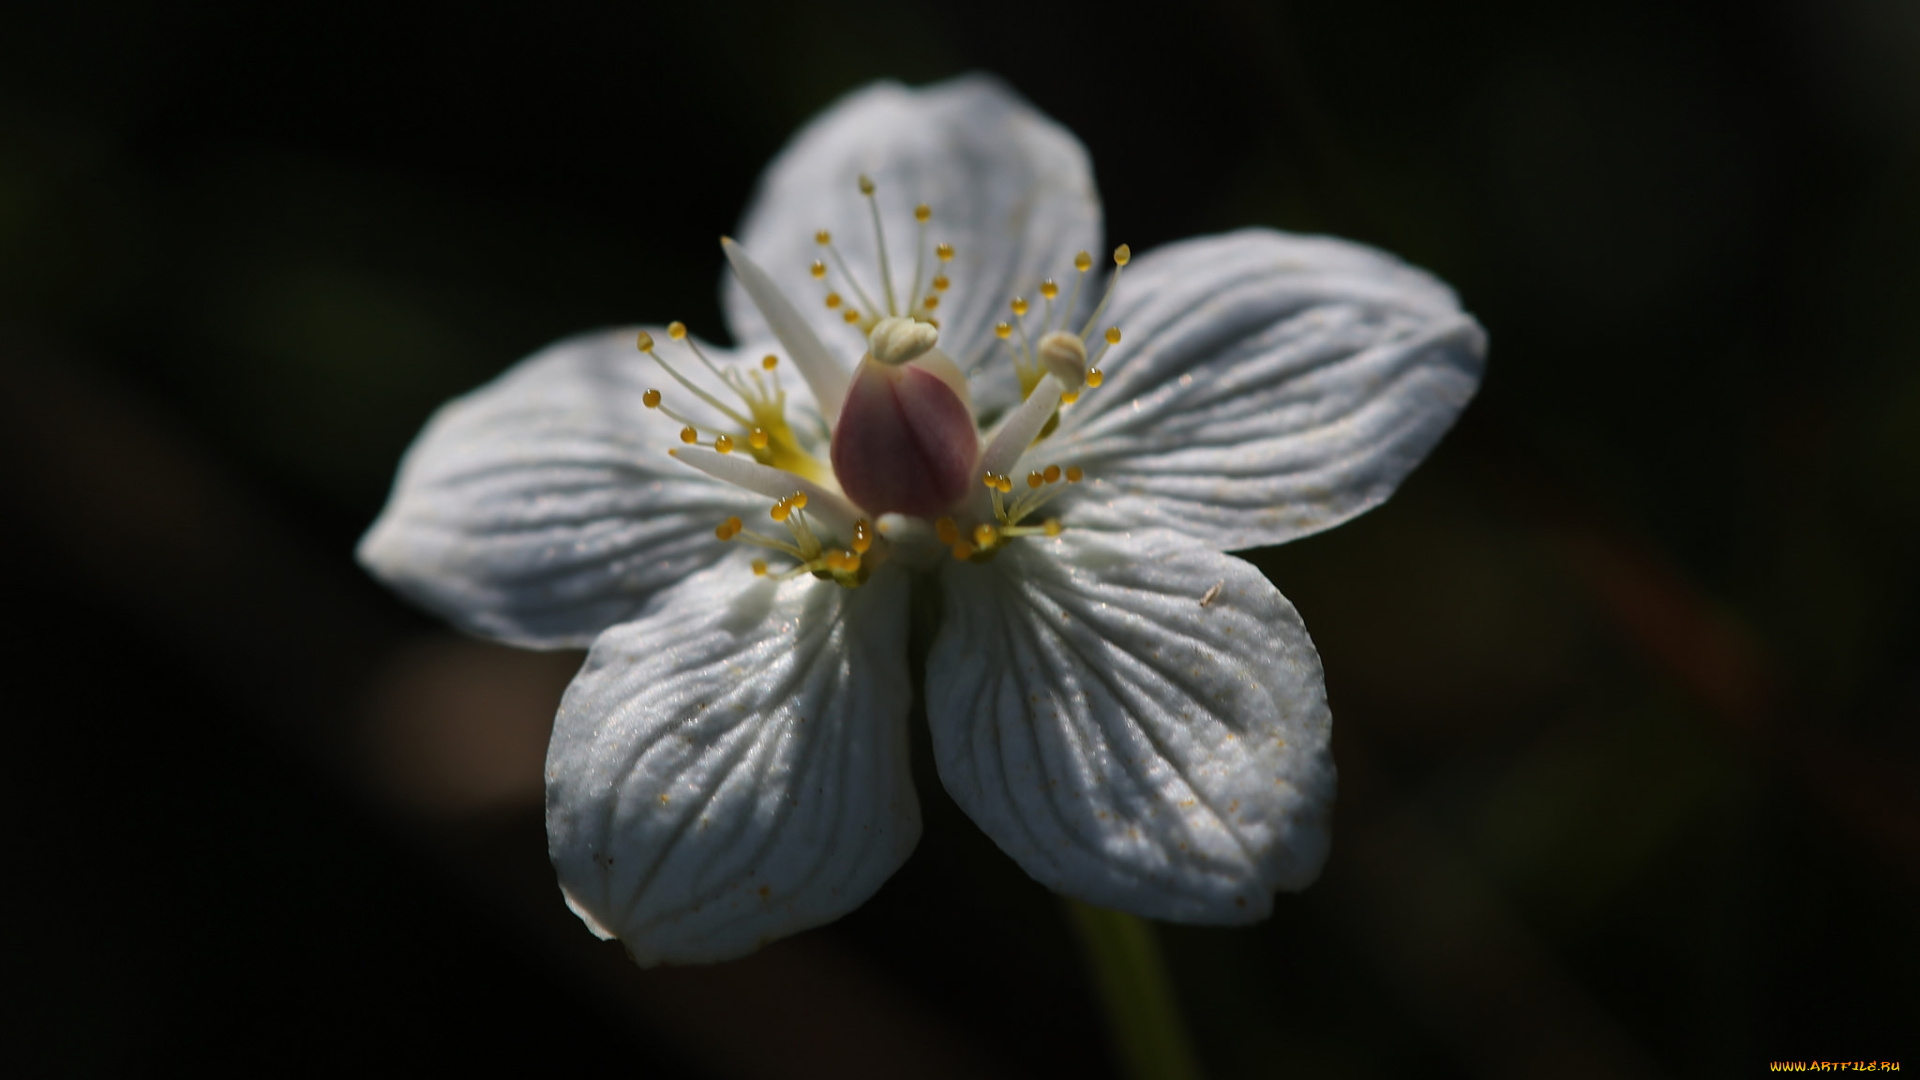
1625 677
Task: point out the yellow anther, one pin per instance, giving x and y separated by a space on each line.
833 562
940 283
1083 262
759 568
991 481
1052 473
1035 479
758 439
1121 255
676 330
983 535
1019 305
962 550
932 301
769 362
1095 377
689 436
866 185
1003 330
1069 397
1005 483
781 511
818 270
833 299
922 213
798 500
946 530
862 536
823 237
646 341
1052 525
1074 474
851 316
1113 335
850 560
651 399
944 251
724 444
734 525
1049 289
720 532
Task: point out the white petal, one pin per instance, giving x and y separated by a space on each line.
732 767
1138 721
1268 386
542 508
1009 188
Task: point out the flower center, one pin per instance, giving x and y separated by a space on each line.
902 435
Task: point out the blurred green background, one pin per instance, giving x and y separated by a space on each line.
1625 679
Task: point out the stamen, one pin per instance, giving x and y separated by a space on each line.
1112 338
1081 262
758 439
651 399
946 530
678 332
818 269
880 241
983 536
1074 474
862 536
723 444
1121 256
921 215
688 435
759 568
769 362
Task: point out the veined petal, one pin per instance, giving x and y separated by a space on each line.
1269 386
732 767
1139 722
542 508
1011 191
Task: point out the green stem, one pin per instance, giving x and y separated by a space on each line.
1143 1016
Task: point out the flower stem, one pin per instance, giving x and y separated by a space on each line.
1123 958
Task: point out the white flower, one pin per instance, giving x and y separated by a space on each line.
1136 718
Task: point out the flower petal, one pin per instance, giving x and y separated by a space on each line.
1139 722
1269 386
542 508
1011 190
732 767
